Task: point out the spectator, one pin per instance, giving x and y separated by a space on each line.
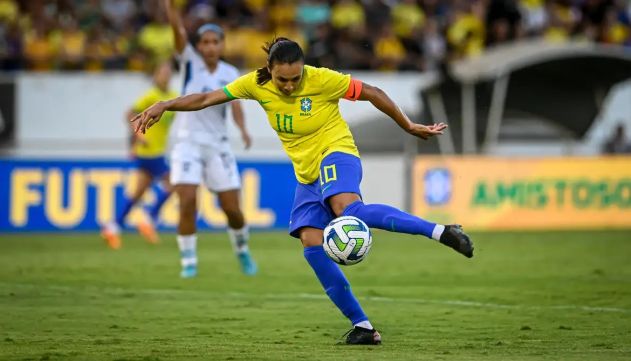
89 13
378 12
71 45
10 47
354 49
562 20
407 16
434 46
101 51
617 143
282 13
339 33
321 52
9 11
346 14
503 21
39 49
156 37
256 6
312 14
118 12
197 16
389 50
466 33
534 16
613 30
260 34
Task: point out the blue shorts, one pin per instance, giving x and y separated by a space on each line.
156 166
339 173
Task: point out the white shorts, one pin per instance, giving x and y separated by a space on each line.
193 163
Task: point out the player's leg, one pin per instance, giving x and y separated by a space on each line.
308 218
222 177
164 192
186 174
111 231
337 288
147 226
187 228
341 176
237 229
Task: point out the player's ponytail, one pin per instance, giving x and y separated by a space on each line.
279 50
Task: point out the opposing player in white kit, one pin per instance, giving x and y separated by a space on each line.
200 151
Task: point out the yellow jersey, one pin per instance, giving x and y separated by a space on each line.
155 141
308 122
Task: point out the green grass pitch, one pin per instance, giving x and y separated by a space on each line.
525 296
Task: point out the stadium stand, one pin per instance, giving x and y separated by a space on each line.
101 35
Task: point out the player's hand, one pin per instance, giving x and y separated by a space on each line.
148 117
427 131
247 140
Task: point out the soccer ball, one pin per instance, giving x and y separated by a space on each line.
347 240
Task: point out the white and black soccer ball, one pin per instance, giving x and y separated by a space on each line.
347 240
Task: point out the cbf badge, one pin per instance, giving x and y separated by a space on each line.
305 105
437 186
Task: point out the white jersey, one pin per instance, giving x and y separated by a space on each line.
207 126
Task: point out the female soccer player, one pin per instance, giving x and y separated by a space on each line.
200 150
148 151
301 103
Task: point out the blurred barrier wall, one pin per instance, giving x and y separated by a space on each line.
47 195
492 193
56 111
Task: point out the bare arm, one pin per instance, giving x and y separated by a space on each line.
179 32
186 103
382 101
239 120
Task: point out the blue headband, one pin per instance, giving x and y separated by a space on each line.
210 27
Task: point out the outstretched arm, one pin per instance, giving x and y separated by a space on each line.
179 32
186 103
382 101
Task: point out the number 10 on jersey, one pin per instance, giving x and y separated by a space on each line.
286 125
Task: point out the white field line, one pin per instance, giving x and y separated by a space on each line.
313 296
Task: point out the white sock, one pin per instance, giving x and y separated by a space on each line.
188 249
438 231
239 239
113 227
364 324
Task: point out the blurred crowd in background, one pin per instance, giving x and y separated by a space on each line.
100 35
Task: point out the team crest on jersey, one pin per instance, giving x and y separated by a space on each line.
305 106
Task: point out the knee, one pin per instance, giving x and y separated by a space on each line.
232 212
188 201
230 207
311 237
338 207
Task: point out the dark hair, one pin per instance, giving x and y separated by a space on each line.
279 50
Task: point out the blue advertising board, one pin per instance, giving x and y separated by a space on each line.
60 195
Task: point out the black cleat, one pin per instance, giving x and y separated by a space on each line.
362 336
454 237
